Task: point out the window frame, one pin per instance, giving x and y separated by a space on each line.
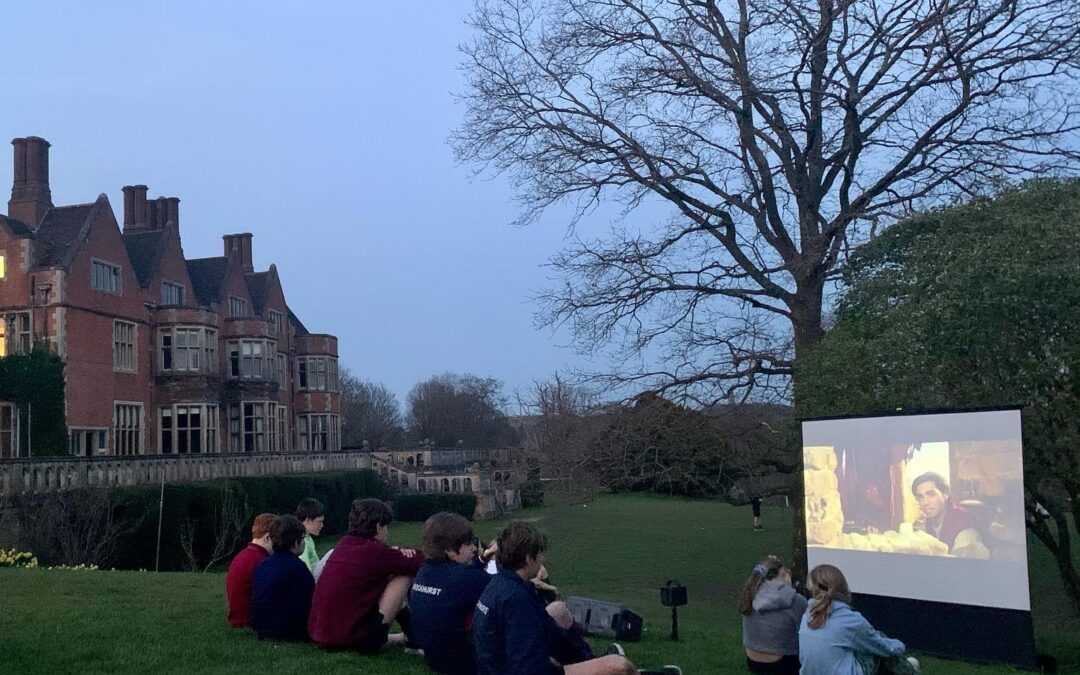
117 276
123 349
128 440
175 287
237 303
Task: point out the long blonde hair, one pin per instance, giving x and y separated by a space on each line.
768 568
828 584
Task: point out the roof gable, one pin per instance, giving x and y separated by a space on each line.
207 275
64 229
145 250
16 228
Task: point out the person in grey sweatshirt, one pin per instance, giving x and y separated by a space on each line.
771 611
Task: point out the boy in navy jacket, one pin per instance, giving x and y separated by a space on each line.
445 592
282 587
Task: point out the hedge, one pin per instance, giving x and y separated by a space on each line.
197 508
418 508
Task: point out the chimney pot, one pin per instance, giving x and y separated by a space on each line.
129 206
172 210
239 246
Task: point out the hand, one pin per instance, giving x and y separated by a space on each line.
489 553
407 552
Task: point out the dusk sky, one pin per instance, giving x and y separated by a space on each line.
322 129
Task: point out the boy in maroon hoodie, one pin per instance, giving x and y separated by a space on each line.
364 585
242 571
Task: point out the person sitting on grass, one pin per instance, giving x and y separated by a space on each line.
242 571
771 611
364 585
512 631
445 592
834 639
282 587
310 512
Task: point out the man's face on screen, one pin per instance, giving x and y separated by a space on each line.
931 500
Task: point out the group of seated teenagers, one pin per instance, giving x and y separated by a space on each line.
785 634
464 614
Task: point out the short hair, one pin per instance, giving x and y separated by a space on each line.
445 531
517 542
366 515
285 532
261 527
938 480
309 508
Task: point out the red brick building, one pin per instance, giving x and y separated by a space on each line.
163 354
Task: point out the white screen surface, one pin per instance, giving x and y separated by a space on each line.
926 507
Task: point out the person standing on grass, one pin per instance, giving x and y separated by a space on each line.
755 506
834 639
310 512
771 611
282 587
512 631
242 571
364 585
445 592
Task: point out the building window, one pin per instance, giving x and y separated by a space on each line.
237 306
124 346
189 428
250 425
3 267
252 360
188 349
9 431
127 428
15 334
319 432
104 277
281 370
317 373
277 322
88 442
171 294
283 429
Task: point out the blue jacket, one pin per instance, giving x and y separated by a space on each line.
442 599
511 629
281 598
830 650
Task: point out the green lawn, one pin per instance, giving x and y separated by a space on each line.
618 548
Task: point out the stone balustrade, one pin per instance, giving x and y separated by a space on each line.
52 474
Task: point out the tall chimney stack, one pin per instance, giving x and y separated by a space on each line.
30 194
135 209
239 246
172 210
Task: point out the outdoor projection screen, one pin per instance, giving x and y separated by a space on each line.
920 506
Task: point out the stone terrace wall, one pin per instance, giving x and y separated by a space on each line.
52 474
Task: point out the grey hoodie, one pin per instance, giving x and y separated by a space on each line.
773 626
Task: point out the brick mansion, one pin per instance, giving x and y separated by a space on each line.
163 354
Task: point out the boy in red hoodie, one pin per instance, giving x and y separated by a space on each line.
363 586
242 571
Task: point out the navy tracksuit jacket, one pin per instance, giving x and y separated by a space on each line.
281 598
511 629
442 599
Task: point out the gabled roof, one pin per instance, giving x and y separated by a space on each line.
62 230
145 250
297 324
256 283
207 274
17 228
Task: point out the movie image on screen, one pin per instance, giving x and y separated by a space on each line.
884 493
943 498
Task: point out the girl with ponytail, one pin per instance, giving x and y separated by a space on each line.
834 639
771 612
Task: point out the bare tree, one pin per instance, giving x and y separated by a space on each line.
450 407
230 520
370 412
779 133
75 527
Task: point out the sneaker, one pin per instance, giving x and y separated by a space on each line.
914 664
666 670
615 649
394 639
414 650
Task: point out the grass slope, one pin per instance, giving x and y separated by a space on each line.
618 548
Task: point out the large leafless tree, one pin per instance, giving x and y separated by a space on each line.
779 133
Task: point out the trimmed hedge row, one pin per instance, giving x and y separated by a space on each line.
418 508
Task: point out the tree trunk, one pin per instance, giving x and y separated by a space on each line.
806 323
1061 547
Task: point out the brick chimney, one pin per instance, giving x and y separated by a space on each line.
30 194
239 246
135 208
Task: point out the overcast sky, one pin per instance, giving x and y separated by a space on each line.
322 129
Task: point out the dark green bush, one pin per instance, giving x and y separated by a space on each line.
532 494
418 508
197 510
